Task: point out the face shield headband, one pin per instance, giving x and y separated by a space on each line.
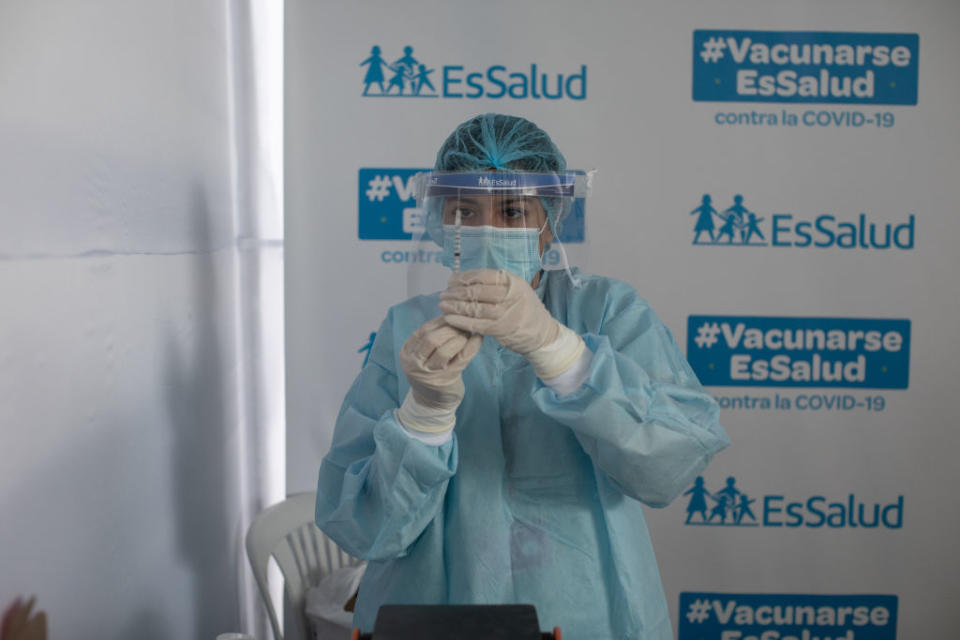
556 191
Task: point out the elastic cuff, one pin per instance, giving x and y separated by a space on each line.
558 356
574 377
433 439
416 417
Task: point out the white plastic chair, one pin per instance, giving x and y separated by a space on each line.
304 554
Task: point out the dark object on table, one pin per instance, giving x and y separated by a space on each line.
457 622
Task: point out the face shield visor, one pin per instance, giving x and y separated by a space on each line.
495 220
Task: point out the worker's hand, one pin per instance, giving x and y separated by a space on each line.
499 304
433 359
504 306
20 623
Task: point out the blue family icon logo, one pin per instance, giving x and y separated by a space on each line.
408 77
805 66
793 616
737 226
771 351
732 507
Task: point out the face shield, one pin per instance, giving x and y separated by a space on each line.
495 220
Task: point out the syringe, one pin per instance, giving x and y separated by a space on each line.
456 243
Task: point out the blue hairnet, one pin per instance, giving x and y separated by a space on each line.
498 142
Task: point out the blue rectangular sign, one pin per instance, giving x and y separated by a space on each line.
805 66
387 207
387 204
764 351
745 616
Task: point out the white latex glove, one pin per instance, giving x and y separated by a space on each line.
504 306
433 359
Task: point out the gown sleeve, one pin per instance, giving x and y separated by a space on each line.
641 414
378 488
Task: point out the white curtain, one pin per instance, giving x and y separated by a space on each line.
257 74
141 297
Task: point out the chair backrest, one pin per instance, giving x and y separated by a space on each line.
304 554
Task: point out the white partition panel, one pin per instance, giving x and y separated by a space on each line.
779 180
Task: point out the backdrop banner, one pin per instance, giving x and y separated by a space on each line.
778 180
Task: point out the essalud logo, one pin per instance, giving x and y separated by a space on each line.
732 507
738 226
729 502
411 78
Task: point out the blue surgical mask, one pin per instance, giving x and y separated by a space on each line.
516 250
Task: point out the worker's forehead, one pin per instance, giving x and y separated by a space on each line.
494 199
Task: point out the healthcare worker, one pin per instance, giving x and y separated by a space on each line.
504 434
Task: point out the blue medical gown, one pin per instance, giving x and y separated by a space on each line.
537 497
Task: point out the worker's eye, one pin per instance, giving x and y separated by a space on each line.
465 213
513 215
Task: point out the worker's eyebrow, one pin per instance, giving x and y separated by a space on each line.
459 200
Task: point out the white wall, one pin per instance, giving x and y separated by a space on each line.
120 439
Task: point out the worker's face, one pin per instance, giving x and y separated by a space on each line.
503 211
